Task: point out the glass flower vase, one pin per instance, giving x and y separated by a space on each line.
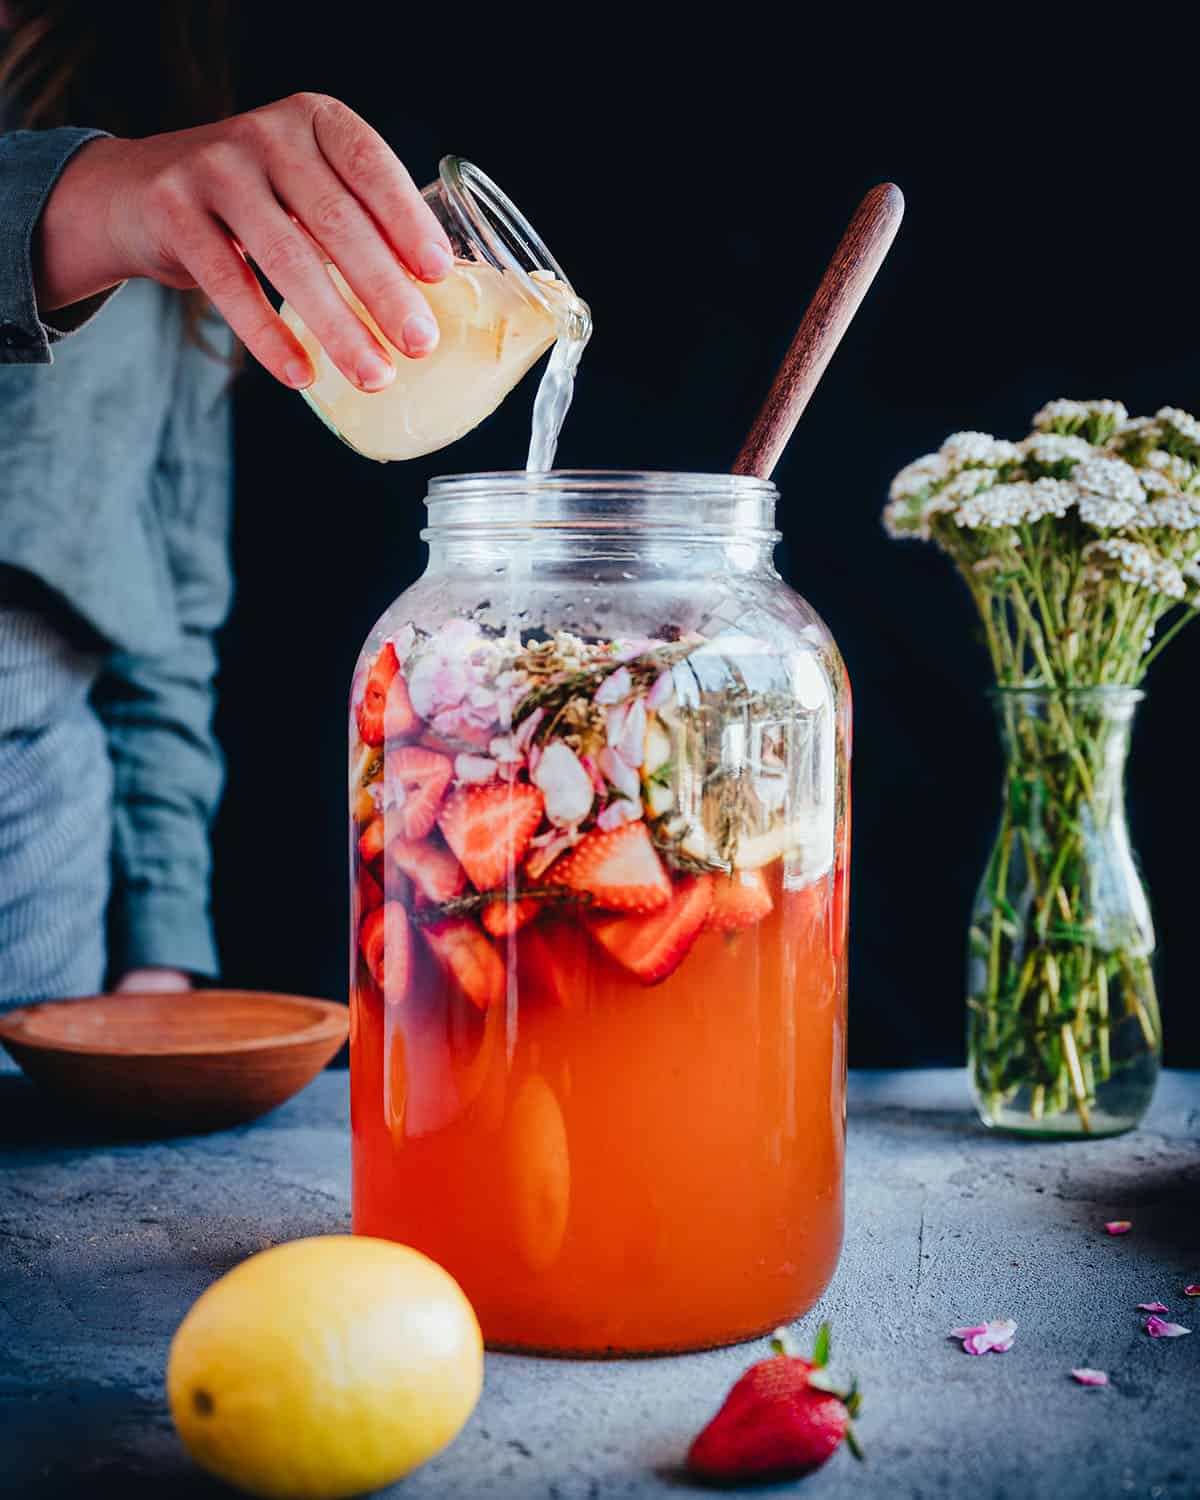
1063 1028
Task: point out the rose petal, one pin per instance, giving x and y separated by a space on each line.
1118 1226
1157 1329
632 744
1192 1290
617 812
564 783
996 1335
1090 1377
1152 1307
475 769
627 650
524 735
616 686
599 785
663 687
622 775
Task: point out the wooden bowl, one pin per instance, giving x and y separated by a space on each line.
176 1062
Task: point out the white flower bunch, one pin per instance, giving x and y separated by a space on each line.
1075 541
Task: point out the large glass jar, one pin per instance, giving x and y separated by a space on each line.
599 811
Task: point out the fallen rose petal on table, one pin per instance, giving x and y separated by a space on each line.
995 1336
1153 1307
1089 1377
1192 1289
1157 1329
1118 1226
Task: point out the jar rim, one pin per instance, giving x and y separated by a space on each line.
656 502
489 216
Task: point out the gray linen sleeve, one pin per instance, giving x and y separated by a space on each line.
158 709
30 164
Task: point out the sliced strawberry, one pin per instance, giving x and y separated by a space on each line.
489 828
370 892
552 962
370 843
504 917
620 870
433 870
654 946
740 901
422 777
387 948
433 741
400 719
466 954
373 707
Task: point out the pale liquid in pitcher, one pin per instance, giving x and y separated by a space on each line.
492 334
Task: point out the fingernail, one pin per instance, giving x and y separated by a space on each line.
298 373
420 333
374 372
435 262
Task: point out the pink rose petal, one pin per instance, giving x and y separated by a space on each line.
1192 1289
627 650
997 1335
1157 1329
663 687
1153 1307
632 744
1118 1226
475 769
564 783
524 735
622 775
599 785
615 688
1090 1377
618 812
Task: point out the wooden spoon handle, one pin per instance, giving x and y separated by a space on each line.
847 277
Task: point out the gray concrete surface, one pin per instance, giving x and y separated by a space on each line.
104 1245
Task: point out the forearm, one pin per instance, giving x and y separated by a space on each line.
75 253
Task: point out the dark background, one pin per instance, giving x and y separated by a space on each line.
693 193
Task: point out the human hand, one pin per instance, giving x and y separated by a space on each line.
153 981
281 186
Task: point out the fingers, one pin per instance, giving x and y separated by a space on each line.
368 166
351 239
205 250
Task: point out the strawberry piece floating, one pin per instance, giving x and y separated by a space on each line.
435 873
620 870
653 946
504 917
370 842
467 955
781 1420
489 829
370 892
552 963
400 719
419 778
373 707
386 945
740 901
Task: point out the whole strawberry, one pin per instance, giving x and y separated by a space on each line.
781 1420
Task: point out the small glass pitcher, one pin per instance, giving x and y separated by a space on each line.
503 305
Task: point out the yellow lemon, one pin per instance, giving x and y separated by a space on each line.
325 1368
